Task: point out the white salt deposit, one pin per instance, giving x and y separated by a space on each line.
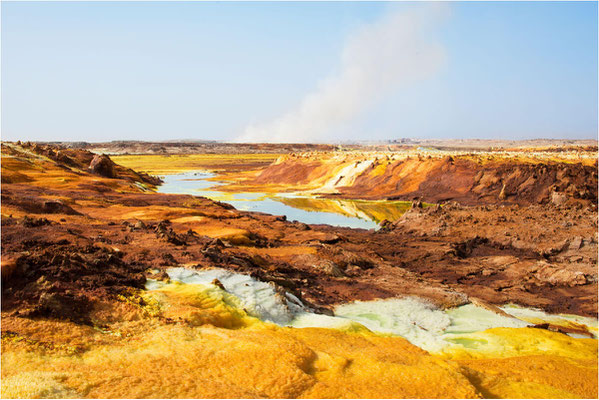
422 323
414 319
471 318
258 298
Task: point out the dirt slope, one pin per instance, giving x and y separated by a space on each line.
466 179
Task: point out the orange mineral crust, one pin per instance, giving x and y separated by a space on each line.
91 308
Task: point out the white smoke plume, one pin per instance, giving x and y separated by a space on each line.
376 60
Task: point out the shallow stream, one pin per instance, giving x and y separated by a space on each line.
366 214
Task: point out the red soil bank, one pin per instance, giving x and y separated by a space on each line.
71 238
465 179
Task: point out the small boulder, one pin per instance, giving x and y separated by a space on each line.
140 225
102 165
330 268
417 204
576 243
9 267
330 238
302 227
385 225
218 283
58 207
558 199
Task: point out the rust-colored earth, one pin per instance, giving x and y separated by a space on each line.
468 178
81 234
63 224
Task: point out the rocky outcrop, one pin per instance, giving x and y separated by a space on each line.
465 179
78 159
35 205
555 276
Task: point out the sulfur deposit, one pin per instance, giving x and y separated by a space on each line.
112 290
198 340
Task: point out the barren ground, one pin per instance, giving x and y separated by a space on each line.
80 234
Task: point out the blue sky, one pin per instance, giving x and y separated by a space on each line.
98 71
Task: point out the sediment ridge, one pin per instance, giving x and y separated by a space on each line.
470 179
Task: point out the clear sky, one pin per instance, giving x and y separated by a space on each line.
304 71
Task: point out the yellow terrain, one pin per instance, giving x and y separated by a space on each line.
212 348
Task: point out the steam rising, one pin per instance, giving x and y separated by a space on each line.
379 58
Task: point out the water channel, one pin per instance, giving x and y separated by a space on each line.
365 214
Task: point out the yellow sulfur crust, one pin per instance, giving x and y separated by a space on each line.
200 343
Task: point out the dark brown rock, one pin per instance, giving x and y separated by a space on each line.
102 165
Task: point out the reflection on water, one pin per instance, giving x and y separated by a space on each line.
311 210
363 209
